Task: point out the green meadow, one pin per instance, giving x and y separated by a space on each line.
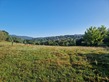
32 63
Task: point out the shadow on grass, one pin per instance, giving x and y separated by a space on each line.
100 65
94 69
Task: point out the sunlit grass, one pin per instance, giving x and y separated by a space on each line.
32 63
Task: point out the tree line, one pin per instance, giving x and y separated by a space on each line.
93 36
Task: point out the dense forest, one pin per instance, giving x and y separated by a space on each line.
93 36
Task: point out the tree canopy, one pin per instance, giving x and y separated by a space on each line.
3 35
94 36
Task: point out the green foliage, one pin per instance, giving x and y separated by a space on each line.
3 35
67 40
106 39
103 31
60 42
17 40
94 36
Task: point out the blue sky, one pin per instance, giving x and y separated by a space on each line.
40 18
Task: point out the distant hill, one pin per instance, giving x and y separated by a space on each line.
76 36
23 37
63 40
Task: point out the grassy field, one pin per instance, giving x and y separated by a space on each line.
30 63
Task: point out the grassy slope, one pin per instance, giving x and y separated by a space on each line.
27 63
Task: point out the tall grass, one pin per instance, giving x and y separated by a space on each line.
30 63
